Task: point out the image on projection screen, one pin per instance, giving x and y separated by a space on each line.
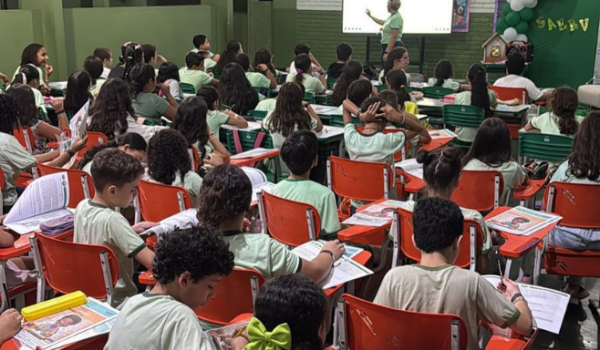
420 16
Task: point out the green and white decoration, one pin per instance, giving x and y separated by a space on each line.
515 21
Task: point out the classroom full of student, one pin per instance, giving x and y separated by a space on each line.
187 137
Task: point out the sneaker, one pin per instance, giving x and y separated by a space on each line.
527 279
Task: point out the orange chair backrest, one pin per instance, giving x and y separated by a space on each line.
159 201
25 136
69 267
410 251
359 180
78 180
576 203
287 219
94 139
508 93
195 157
479 190
372 326
234 295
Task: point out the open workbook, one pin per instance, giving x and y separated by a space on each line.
184 219
548 306
344 270
375 214
259 182
43 200
521 221
75 324
411 167
252 153
218 336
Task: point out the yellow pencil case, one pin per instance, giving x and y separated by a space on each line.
53 306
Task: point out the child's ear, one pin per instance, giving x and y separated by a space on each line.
413 240
184 279
112 189
457 242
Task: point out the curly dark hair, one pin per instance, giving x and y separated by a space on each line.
563 104
201 251
110 109
297 301
584 162
437 223
351 73
94 66
190 121
8 114
289 111
24 102
135 141
233 48
113 167
29 55
168 156
140 75
236 91
78 91
226 193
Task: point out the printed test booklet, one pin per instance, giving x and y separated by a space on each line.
375 214
521 221
217 336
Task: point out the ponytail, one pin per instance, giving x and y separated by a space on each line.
303 64
443 71
139 76
131 54
441 168
26 74
479 88
397 82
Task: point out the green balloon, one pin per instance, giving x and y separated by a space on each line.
526 14
522 27
501 25
512 19
506 9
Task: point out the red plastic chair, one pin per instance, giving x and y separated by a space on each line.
25 136
234 295
578 205
353 179
479 190
469 249
69 267
158 201
363 325
80 183
505 94
290 222
94 139
195 157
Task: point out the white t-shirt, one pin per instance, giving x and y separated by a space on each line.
517 81
105 73
175 89
315 69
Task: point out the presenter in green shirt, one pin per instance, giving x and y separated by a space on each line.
391 35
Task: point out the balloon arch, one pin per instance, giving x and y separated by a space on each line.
515 21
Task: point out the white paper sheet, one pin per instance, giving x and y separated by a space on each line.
345 269
252 153
329 131
252 126
548 306
411 167
184 219
44 199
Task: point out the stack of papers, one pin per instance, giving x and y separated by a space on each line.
411 167
521 221
375 214
442 134
344 270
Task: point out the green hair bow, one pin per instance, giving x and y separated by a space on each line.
260 339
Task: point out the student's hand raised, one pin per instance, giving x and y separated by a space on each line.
336 247
161 58
508 288
79 143
143 226
372 113
165 89
10 323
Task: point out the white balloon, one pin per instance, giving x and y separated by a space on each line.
521 37
517 5
510 34
532 4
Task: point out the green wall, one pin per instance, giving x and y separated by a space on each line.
172 41
29 30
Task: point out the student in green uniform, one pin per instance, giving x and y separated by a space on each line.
36 56
302 76
191 122
93 66
188 266
260 76
562 119
226 196
372 144
170 163
78 92
268 104
391 34
236 91
116 176
216 117
130 143
397 59
201 43
443 75
146 103
435 286
491 151
30 76
194 74
299 152
290 114
479 96
581 167
14 158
